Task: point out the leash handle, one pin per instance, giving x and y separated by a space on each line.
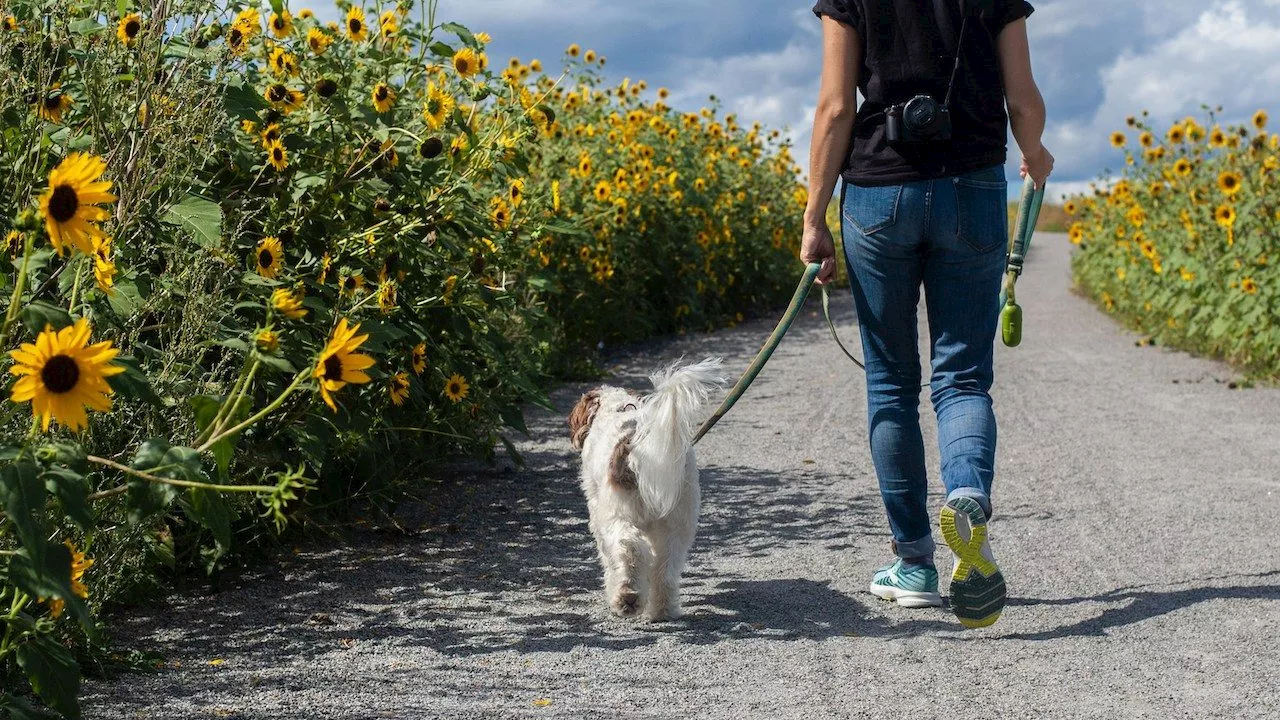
1019 245
766 351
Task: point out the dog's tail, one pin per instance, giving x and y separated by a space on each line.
665 428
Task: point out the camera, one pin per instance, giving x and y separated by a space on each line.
918 120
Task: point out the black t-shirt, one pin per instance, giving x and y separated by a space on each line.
909 48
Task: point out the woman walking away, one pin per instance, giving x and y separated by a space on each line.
924 204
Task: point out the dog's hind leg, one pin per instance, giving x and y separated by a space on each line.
670 551
626 558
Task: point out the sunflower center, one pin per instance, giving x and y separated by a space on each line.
63 203
265 259
381 93
131 28
277 154
333 368
462 65
277 93
355 26
60 374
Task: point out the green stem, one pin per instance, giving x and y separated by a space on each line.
12 313
75 285
275 404
178 483
228 407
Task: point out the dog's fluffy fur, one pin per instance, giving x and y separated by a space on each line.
640 477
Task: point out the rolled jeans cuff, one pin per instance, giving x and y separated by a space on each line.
923 547
974 493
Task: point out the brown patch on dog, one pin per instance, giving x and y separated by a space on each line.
584 413
621 475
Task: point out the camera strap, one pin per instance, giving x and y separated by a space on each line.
955 69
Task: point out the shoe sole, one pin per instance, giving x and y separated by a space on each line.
978 590
906 598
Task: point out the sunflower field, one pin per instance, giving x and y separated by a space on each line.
1183 245
258 263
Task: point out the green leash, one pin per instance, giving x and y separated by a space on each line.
1010 317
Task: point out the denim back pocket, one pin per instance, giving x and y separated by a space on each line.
872 209
982 209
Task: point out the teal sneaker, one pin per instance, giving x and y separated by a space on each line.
913 588
977 586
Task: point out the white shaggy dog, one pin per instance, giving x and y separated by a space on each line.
641 481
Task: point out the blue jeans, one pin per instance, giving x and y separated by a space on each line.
951 236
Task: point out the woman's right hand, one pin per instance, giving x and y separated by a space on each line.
1038 166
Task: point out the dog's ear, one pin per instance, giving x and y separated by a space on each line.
582 416
621 475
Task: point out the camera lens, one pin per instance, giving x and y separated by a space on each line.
921 113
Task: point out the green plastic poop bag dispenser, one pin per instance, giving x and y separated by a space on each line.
1019 244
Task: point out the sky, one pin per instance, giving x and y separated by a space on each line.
1096 61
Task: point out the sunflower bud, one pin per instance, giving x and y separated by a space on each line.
27 221
326 87
431 147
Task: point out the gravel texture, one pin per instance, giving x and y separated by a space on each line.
1136 498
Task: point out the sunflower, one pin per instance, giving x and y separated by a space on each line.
69 206
356 29
266 340
388 24
456 388
1260 120
602 191
351 284
383 96
584 165
436 108
418 358
281 24
326 87
1176 135
79 564
10 23
516 192
450 284
1225 215
283 98
1148 249
269 257
1076 233
53 106
277 156
340 364
1249 286
555 195
318 40
62 374
589 56
1136 216
573 51
1187 275
282 63
500 213
1182 167
398 388
250 19
483 38
387 296
1070 207
129 28
104 268
467 62
237 39
1229 182
288 304
305 14
271 135
1217 138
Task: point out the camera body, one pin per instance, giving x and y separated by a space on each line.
918 120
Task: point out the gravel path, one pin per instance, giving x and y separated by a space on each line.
1136 501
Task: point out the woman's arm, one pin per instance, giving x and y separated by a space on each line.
1022 96
832 131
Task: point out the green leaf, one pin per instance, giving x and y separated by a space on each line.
133 383
71 488
277 6
87 26
206 407
210 510
40 314
462 33
443 50
44 571
203 218
53 673
515 454
23 496
157 457
20 709
243 102
126 300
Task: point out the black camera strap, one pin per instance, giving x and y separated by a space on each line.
955 69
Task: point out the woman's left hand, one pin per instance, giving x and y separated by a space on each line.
819 247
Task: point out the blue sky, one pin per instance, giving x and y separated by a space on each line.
1097 61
